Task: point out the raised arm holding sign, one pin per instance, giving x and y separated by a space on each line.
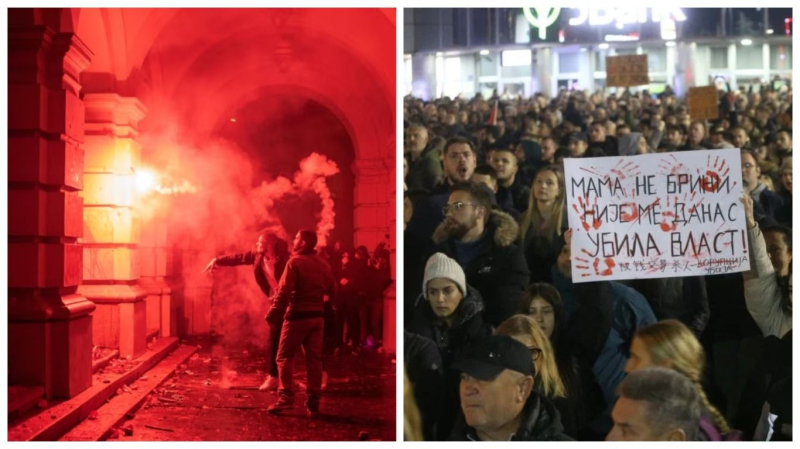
656 215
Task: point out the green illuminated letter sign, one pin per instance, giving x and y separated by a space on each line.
543 18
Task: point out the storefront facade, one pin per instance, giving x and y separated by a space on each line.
528 50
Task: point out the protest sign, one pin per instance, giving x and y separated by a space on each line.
703 103
626 70
656 215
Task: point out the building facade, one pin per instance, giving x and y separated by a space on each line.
521 51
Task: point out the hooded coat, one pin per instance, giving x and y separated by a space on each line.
628 143
499 272
540 422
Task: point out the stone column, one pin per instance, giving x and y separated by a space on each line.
111 234
157 265
49 323
375 217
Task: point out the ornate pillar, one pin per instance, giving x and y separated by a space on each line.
49 322
111 234
375 218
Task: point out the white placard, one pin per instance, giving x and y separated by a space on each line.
656 215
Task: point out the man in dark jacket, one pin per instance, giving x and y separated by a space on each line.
498 400
306 281
510 185
482 241
599 139
268 261
424 168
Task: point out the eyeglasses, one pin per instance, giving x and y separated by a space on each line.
535 352
458 205
748 166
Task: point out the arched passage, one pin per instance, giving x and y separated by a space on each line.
115 78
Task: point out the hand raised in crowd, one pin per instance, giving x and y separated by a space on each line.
211 266
564 263
747 202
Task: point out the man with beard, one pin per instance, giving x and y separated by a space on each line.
459 160
740 139
674 138
268 261
509 185
482 240
300 301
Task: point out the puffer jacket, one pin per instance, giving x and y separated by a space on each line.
467 328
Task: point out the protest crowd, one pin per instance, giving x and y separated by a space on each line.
502 344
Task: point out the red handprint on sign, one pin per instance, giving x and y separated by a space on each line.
712 174
628 212
586 209
625 170
608 270
670 223
671 166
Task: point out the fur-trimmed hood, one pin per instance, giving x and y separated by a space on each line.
503 227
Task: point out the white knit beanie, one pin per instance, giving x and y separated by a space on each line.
441 266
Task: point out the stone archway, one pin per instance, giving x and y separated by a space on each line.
107 73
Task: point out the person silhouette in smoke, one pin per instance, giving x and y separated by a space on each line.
300 302
268 261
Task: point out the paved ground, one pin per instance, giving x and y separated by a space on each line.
214 397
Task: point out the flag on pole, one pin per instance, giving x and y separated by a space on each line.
493 114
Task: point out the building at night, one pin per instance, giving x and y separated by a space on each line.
98 97
521 51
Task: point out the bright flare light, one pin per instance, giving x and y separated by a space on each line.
145 180
747 42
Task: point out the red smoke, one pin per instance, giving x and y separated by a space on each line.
310 178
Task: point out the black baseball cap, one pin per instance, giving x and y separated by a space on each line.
486 359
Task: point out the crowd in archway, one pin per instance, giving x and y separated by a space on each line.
501 344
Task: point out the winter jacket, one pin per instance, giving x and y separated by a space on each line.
609 146
424 368
428 212
257 261
540 253
540 422
518 192
761 292
682 298
305 281
766 203
499 272
426 171
631 311
467 328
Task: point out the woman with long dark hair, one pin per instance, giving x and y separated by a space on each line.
543 224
